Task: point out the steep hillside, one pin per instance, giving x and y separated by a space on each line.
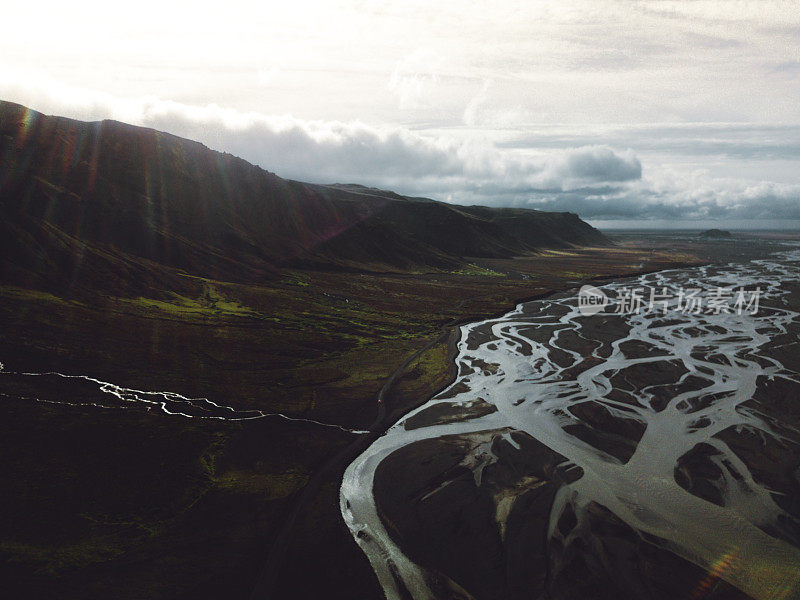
111 205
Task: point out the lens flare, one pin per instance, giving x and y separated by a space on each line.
718 570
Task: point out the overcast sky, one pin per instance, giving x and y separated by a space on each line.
615 110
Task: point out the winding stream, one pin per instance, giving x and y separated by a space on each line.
52 387
680 380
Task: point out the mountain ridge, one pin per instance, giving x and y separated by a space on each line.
109 204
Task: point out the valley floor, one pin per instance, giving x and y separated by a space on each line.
142 503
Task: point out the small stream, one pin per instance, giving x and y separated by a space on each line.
85 391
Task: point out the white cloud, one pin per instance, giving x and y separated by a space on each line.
595 180
472 110
590 164
325 151
698 198
414 78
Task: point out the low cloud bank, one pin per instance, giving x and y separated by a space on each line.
322 151
730 200
595 181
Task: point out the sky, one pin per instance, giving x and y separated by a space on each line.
624 112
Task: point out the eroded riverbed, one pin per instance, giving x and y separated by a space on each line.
652 454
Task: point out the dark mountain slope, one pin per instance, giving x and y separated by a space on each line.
111 205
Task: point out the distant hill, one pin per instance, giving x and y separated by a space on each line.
716 233
113 206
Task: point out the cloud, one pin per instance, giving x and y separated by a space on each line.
316 151
471 112
594 180
596 163
679 200
414 77
730 140
328 151
394 158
